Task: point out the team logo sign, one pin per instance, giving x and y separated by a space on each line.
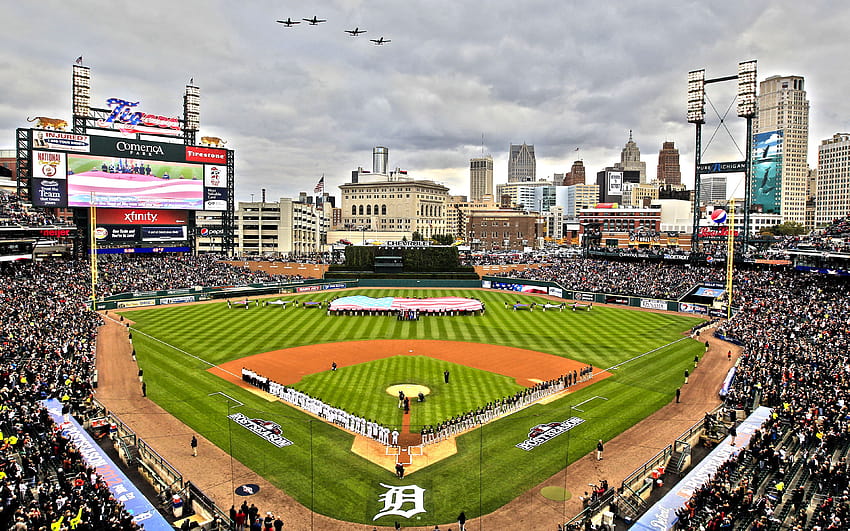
266 429
546 432
247 489
397 497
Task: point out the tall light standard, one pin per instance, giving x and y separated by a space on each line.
746 108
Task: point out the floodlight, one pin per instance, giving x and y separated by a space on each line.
696 96
192 108
81 77
747 89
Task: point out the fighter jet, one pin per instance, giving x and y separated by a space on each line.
314 21
355 32
288 22
380 42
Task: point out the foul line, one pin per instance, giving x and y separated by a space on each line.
586 401
212 365
613 367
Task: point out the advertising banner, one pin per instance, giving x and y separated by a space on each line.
60 141
143 511
556 292
111 146
215 198
134 183
767 171
49 165
49 193
616 299
586 297
210 232
208 155
116 233
121 216
163 234
215 176
653 304
686 307
615 183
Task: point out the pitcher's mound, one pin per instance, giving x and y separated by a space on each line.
410 390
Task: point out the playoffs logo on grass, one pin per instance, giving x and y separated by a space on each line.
546 432
266 429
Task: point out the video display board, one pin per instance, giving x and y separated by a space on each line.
114 172
767 171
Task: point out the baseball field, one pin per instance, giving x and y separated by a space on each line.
192 356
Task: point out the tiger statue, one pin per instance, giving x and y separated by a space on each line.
212 141
56 124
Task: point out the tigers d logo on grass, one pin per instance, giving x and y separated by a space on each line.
266 429
546 432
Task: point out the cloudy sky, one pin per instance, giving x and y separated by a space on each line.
296 103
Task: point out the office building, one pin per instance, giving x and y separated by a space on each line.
833 180
669 171
284 228
630 159
610 183
480 177
712 188
519 195
576 174
522 166
780 145
490 230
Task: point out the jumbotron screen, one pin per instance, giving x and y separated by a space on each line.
71 170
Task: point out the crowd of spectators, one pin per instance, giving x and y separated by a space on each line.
643 279
47 351
795 333
15 213
122 273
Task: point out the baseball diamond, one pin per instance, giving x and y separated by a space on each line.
193 356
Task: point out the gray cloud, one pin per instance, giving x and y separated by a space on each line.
296 103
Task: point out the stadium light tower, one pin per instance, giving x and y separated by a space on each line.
746 108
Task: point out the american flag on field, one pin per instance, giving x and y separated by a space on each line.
320 186
360 302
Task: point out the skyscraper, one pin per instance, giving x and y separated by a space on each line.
668 164
576 175
480 177
781 139
630 159
522 166
833 180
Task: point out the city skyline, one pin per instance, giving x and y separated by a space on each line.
297 103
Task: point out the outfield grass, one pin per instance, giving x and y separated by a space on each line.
320 471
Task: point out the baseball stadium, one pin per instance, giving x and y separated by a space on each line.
396 385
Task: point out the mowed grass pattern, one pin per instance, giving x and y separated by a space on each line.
319 469
361 389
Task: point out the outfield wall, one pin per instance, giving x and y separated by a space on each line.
554 289
141 299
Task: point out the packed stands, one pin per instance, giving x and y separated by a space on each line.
794 328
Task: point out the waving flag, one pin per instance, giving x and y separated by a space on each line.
320 186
